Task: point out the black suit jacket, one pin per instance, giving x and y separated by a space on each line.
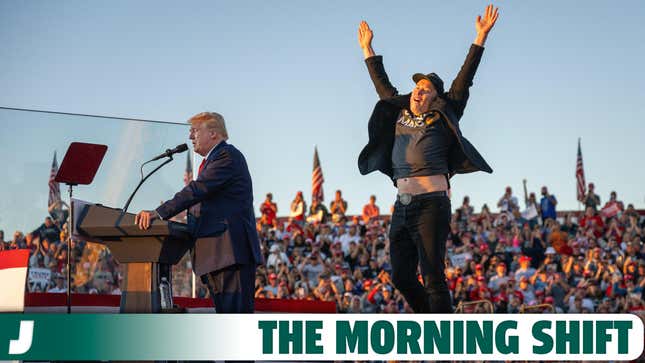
221 214
377 154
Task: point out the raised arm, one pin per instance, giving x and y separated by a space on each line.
365 36
484 24
374 63
458 92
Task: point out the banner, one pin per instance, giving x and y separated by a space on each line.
461 259
39 276
298 337
610 210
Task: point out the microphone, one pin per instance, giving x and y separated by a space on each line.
168 153
179 149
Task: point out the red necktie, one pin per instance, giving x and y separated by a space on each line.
201 166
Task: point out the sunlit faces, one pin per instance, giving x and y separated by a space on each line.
422 95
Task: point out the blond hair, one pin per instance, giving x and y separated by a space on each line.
213 120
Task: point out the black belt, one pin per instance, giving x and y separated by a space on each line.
407 198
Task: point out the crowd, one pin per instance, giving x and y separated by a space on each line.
517 258
94 270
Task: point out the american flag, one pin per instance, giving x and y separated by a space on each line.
317 179
580 175
54 188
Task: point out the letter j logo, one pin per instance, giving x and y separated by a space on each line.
23 343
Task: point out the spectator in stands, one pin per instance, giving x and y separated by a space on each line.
612 207
317 212
271 288
507 201
338 207
312 267
59 211
500 279
371 210
325 290
276 256
592 199
464 214
547 205
558 239
269 210
39 258
48 230
592 221
298 208
631 211
525 269
18 241
632 230
59 284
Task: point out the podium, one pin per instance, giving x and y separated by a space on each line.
146 254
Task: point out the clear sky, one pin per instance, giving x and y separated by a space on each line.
289 75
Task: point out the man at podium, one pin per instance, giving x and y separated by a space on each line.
220 217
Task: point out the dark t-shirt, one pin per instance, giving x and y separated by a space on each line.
421 146
52 233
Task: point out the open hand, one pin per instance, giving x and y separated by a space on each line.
365 35
485 24
144 218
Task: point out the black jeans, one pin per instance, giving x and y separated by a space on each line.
418 238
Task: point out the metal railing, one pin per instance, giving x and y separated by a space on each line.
537 309
471 306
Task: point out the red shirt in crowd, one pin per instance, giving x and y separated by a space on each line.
268 210
370 211
595 222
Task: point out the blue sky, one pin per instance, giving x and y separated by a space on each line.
290 75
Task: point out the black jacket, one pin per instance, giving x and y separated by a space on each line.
377 154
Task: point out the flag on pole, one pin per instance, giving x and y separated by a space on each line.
188 173
580 175
317 179
54 187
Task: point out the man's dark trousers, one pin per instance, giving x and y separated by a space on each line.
418 237
232 288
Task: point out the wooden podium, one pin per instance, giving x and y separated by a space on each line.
146 254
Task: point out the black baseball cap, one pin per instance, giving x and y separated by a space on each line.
432 77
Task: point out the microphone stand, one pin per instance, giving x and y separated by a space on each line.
127 204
